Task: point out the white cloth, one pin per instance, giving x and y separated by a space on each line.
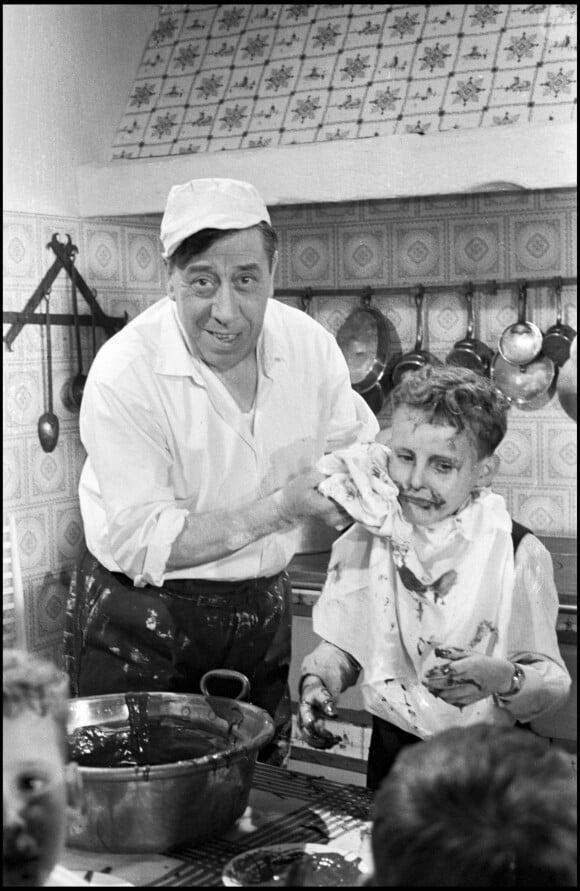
394 593
164 437
61 877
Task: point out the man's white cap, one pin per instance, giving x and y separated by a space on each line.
209 204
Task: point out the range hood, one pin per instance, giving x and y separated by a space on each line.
400 166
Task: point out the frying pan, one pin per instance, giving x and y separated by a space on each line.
417 357
567 387
523 384
521 342
558 338
364 340
470 352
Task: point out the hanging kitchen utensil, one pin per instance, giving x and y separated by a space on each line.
567 386
374 398
418 357
364 340
470 352
558 339
521 342
72 390
48 425
523 384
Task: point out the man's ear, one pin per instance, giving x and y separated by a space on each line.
74 784
488 467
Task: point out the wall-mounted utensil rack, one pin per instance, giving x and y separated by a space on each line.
491 287
64 254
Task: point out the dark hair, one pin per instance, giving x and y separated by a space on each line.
34 684
474 806
202 240
458 397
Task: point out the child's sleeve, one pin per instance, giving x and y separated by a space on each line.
336 668
532 640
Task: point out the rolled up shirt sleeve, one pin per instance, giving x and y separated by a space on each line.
131 464
532 640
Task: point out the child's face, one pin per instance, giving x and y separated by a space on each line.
435 467
35 799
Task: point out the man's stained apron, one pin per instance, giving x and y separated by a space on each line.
119 638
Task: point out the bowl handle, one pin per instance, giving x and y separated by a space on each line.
226 673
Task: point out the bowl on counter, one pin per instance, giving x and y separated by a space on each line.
152 807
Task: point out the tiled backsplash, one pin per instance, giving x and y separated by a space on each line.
216 77
439 240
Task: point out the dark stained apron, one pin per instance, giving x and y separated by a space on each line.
120 638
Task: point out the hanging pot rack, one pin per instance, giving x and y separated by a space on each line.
64 259
490 287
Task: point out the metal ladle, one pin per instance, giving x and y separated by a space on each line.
72 391
48 425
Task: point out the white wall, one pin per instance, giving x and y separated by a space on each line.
67 73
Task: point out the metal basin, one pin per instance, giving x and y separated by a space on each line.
154 807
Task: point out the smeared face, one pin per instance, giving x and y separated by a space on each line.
221 297
35 799
435 467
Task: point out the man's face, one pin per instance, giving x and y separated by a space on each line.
221 298
35 799
435 467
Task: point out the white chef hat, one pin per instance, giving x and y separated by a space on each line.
209 204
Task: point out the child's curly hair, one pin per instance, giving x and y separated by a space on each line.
34 684
458 397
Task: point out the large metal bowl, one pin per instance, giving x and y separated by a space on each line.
157 807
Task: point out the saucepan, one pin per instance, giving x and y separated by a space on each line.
151 805
521 342
417 357
523 384
558 339
364 340
471 352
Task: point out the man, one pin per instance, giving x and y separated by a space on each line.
203 420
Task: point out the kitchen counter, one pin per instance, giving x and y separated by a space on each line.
285 807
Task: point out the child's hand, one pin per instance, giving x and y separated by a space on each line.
468 676
315 704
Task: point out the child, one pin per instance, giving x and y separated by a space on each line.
424 598
480 805
38 782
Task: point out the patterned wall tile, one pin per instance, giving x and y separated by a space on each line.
103 254
45 599
518 453
512 200
558 453
311 256
20 257
477 250
537 245
23 397
14 469
389 209
48 471
363 254
143 259
545 510
418 253
68 530
33 537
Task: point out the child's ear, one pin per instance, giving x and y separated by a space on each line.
74 784
488 467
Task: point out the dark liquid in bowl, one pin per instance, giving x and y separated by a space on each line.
143 740
166 740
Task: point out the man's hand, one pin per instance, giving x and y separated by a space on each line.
315 705
301 500
466 676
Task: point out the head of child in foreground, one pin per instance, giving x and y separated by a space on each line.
38 782
447 424
474 806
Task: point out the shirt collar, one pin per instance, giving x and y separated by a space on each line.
176 359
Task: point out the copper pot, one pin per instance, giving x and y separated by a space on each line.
523 384
364 339
521 342
417 357
558 339
470 352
